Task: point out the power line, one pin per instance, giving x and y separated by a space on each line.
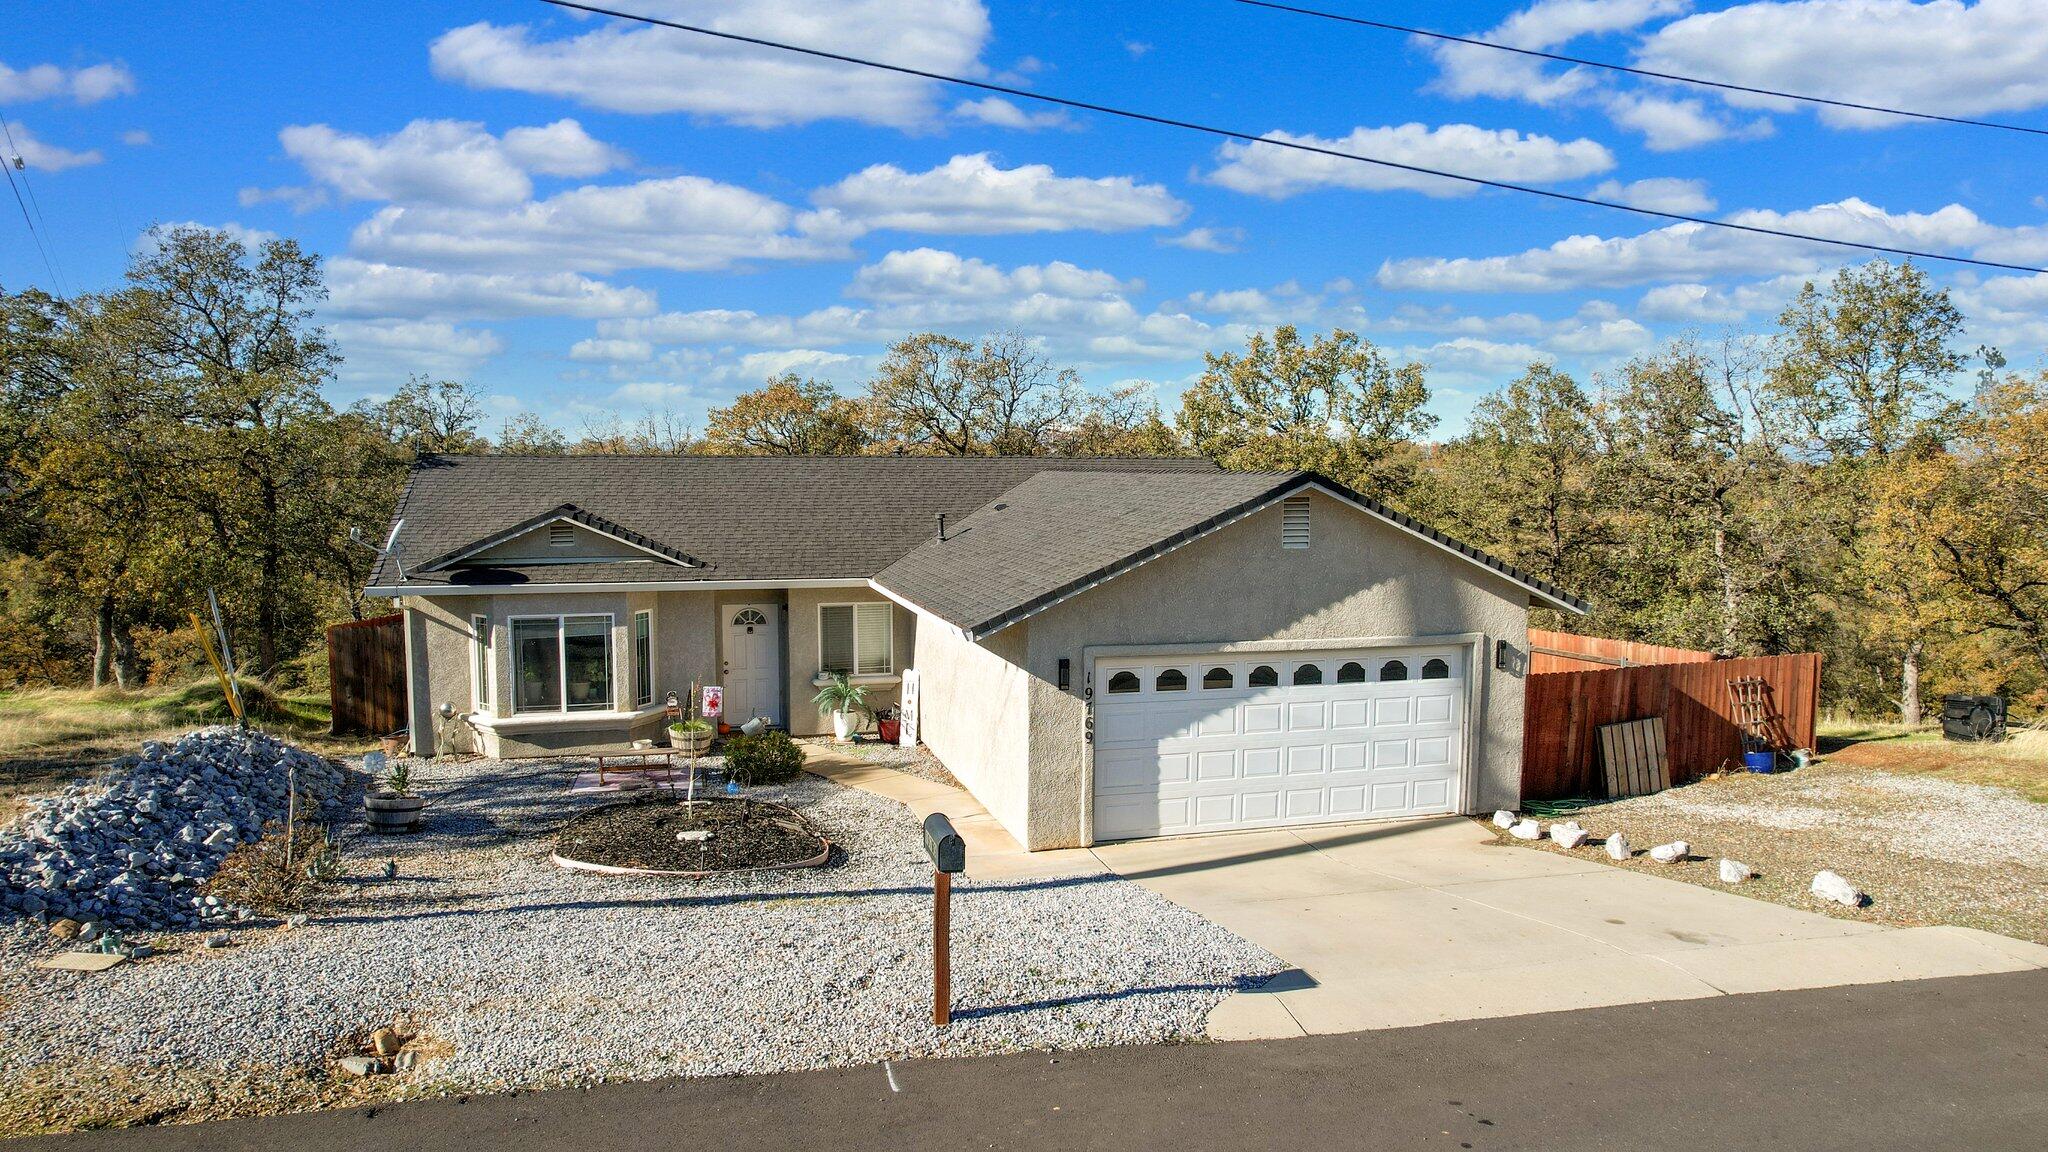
1562 59
8 162
1250 138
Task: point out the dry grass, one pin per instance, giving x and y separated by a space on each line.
48 736
2019 763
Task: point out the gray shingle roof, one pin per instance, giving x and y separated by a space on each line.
741 517
1057 533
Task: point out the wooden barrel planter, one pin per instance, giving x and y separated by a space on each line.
390 812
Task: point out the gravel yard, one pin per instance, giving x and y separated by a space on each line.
1927 850
516 973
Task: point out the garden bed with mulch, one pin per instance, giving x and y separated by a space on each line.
671 837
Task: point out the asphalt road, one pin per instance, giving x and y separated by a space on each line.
1933 1064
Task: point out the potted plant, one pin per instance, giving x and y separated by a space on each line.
691 736
846 701
394 808
888 725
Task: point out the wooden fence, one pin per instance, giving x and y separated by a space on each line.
366 675
1563 710
1570 652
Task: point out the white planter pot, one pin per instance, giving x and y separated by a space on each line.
844 724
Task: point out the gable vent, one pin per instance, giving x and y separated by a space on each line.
1294 522
561 535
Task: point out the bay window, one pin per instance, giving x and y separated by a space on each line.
562 663
856 639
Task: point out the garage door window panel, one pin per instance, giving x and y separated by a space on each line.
1123 683
1308 674
1218 678
1171 680
1393 670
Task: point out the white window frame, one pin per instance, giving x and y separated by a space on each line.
611 651
853 619
643 687
482 668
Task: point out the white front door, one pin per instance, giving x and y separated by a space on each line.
753 662
1203 743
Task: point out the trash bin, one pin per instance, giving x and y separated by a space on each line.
1766 761
1973 718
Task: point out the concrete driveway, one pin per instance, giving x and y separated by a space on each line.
1416 922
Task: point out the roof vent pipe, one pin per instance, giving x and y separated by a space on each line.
942 527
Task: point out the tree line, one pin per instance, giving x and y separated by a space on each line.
1851 480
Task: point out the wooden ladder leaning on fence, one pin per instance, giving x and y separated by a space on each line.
1749 696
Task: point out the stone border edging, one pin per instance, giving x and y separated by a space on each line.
818 861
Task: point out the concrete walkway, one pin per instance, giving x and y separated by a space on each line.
1393 924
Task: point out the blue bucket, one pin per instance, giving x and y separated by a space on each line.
1760 761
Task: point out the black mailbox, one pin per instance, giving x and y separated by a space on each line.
947 850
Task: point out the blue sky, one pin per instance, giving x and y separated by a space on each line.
579 216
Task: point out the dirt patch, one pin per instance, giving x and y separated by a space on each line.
1927 850
707 836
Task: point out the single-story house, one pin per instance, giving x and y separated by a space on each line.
1103 648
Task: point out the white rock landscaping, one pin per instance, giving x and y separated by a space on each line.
1735 871
1671 853
1503 819
1568 834
131 848
1526 830
1617 847
1829 886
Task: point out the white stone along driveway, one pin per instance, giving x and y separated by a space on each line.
1393 924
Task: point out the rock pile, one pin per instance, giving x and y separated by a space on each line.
132 849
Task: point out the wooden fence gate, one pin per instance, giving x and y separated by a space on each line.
1562 712
366 676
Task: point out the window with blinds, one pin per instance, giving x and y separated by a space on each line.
1294 522
856 639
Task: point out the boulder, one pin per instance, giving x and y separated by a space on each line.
1526 830
386 1041
1671 853
1568 834
362 1066
1503 819
1829 886
1735 871
65 929
1617 847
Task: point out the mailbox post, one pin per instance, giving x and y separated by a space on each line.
949 855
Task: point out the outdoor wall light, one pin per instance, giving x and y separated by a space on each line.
1066 674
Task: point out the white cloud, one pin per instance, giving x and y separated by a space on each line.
1659 193
361 288
1001 113
684 223
445 161
1223 240
1471 71
1672 125
627 67
49 157
970 194
1494 154
391 348
612 351
562 148
1945 56
1085 315
136 138
88 85
1690 303
1137 48
1685 252
298 197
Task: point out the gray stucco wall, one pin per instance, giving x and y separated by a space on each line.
801 659
1361 580
974 715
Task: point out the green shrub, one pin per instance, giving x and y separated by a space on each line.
770 758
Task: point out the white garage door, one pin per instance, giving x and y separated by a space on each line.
1207 743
